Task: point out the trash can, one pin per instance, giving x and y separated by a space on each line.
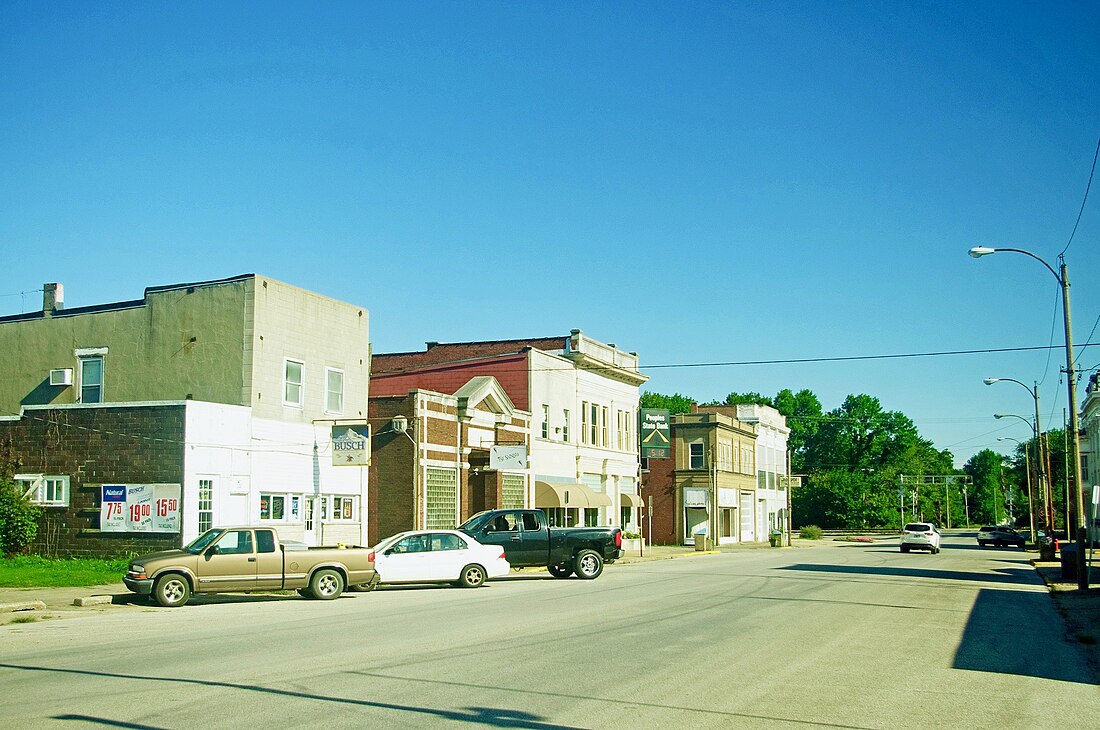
775 537
1069 561
701 542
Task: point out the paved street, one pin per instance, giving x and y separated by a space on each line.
834 635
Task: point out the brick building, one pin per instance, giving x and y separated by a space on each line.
430 465
582 396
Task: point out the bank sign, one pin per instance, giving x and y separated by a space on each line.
654 433
351 445
139 508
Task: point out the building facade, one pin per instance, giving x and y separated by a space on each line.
432 465
708 486
261 373
582 396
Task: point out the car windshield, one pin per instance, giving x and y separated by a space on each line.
918 527
987 529
383 544
474 523
201 542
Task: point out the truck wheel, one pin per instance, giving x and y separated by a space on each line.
171 590
560 571
588 564
472 576
362 587
326 584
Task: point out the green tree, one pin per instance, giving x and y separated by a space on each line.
18 518
803 412
672 403
986 493
752 398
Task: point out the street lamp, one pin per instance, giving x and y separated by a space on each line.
1027 472
1062 276
1040 461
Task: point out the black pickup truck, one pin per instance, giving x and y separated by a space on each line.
528 540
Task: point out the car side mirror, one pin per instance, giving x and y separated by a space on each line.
212 551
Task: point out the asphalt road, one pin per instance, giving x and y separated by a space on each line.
836 635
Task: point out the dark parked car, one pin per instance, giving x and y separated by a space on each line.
1000 536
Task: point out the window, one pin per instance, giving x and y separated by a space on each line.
593 424
695 458
292 383
447 541
49 491
565 425
530 521
725 456
206 505
645 463
265 541
91 380
343 508
442 498
334 390
272 507
604 440
235 542
512 491
545 421
584 422
506 522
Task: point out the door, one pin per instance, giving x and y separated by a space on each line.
534 544
407 560
269 561
309 513
229 564
748 517
696 522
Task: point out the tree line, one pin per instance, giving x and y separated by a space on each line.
852 459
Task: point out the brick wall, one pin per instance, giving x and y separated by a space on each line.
390 494
95 446
660 484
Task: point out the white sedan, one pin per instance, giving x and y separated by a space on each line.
438 556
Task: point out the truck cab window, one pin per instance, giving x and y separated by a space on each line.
531 522
504 523
265 541
235 542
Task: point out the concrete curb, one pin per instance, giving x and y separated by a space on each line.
22 606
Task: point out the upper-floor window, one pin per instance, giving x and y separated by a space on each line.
604 425
91 380
565 425
334 390
593 424
293 376
695 456
584 422
46 490
545 421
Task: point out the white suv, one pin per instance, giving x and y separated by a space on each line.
920 536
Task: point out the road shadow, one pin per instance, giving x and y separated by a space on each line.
491 716
988 645
1017 576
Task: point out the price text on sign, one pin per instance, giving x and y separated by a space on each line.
140 508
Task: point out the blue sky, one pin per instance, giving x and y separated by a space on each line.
697 182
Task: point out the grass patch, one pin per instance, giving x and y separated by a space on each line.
24 620
32 571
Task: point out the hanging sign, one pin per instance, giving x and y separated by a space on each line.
139 508
653 433
508 458
351 444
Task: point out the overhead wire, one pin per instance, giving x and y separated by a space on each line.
1084 199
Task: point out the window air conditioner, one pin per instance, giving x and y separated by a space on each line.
61 376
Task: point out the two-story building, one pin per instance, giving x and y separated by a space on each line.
708 486
138 424
582 396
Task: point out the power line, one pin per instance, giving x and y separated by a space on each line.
1087 188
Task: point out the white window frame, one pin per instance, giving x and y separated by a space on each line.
205 503
693 457
584 422
329 372
43 489
83 361
565 425
271 497
338 502
604 427
545 421
301 384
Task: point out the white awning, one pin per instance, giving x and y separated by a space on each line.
568 494
632 500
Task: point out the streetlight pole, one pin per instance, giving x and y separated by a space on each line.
1030 493
1062 275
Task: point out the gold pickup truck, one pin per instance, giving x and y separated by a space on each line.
245 559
